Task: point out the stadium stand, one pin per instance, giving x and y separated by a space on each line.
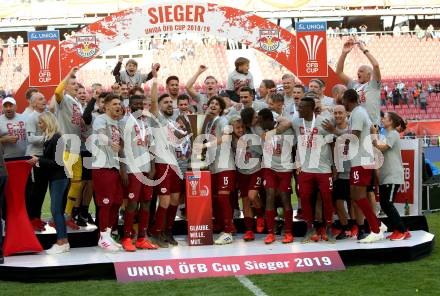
406 58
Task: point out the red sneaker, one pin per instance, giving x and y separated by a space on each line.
396 236
354 231
71 224
407 235
316 237
42 223
249 236
389 236
288 238
127 244
145 244
336 231
270 238
52 224
260 225
36 225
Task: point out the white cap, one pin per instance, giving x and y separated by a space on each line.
9 100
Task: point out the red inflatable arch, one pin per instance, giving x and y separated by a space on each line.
203 18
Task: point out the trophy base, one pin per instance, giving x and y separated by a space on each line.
198 166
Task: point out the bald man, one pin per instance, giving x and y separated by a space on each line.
368 83
337 93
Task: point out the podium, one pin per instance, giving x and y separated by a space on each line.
199 208
20 236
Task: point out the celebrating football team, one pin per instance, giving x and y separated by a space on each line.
129 151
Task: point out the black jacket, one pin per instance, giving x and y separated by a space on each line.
47 162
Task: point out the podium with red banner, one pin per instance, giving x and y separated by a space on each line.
20 236
199 208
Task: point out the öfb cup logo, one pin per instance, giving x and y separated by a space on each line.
44 53
269 39
311 45
194 184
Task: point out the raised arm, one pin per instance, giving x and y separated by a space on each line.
154 92
190 84
87 114
59 91
374 63
117 70
348 46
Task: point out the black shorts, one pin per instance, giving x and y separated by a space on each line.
86 173
341 189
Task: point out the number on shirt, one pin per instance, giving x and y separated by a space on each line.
225 181
356 175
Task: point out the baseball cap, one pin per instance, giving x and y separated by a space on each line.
9 100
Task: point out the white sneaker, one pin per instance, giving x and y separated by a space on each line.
224 239
58 249
237 214
383 227
110 235
372 237
106 242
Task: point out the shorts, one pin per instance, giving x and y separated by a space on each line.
223 181
249 182
309 182
372 187
136 190
74 169
360 176
107 187
171 182
86 173
277 180
341 189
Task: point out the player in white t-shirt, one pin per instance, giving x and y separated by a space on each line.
368 83
362 163
166 165
318 86
211 89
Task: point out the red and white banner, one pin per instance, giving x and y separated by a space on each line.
227 266
199 208
412 167
44 58
176 17
311 54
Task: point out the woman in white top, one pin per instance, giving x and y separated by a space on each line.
391 174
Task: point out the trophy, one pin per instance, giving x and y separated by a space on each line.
198 162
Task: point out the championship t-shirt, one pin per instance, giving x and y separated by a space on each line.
391 171
277 151
14 127
360 121
327 101
35 136
165 139
106 132
136 136
248 158
369 97
314 153
69 116
222 154
236 110
344 168
237 80
202 103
